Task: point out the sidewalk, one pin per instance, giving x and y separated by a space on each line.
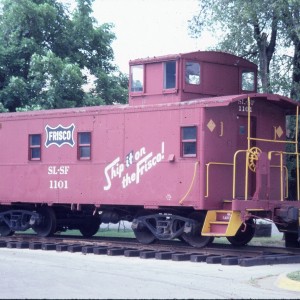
38 274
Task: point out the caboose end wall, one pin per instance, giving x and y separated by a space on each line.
227 145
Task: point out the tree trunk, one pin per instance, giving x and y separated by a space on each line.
295 92
263 63
266 50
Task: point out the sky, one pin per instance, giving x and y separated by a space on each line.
147 28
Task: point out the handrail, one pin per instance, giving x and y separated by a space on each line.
281 166
191 185
297 157
207 174
234 173
279 152
286 180
272 141
286 153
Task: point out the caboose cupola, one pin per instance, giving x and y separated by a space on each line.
189 76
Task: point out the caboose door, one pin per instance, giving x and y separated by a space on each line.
242 144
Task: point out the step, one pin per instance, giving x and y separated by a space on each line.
221 223
227 204
223 215
214 234
218 227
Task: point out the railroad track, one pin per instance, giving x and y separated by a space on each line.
168 250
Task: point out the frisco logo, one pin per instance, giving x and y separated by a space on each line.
144 163
60 135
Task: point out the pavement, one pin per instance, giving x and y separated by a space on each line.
40 274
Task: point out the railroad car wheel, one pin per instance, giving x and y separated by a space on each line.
5 230
142 233
47 225
291 240
194 238
90 227
243 235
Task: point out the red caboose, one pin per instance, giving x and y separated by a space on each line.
196 154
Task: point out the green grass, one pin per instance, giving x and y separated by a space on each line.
125 233
294 275
275 240
115 233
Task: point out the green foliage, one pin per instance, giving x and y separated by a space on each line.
109 87
56 82
2 108
44 50
264 31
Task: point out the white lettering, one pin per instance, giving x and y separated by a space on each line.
111 171
58 170
58 184
140 167
144 163
60 135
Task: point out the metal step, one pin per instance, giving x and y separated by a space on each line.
227 204
221 223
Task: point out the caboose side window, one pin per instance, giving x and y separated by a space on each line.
189 141
248 83
170 74
137 78
192 73
34 147
84 145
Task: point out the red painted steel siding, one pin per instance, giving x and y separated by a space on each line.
220 74
111 176
221 147
136 153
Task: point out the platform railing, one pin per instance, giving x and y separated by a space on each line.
207 173
283 168
283 174
294 142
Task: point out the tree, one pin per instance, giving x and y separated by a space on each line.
291 25
44 50
254 29
263 31
54 82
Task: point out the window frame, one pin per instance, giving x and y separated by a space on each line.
32 147
183 141
244 80
81 145
165 77
187 81
132 73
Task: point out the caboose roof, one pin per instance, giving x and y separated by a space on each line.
279 100
204 56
